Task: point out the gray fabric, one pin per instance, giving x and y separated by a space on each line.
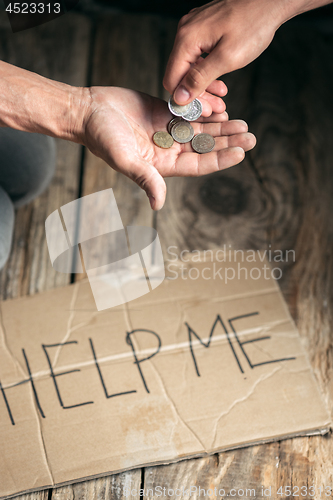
6 226
27 165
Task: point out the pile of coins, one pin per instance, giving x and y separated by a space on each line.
180 130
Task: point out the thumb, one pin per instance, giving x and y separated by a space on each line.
150 180
200 76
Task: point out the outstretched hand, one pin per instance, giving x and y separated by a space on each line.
119 127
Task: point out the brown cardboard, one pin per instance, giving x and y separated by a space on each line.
189 399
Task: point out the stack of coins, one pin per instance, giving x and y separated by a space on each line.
180 130
189 112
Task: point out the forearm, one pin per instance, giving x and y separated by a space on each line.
33 103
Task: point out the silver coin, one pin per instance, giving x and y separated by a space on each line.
173 122
203 143
182 132
176 109
194 112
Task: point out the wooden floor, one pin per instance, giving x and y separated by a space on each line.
280 197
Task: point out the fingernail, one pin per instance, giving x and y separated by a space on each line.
181 95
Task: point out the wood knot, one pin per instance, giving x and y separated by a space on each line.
223 195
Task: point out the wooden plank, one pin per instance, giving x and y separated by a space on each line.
280 197
39 495
104 488
296 462
58 50
127 52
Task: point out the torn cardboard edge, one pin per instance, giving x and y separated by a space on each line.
175 404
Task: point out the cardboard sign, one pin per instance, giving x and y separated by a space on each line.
196 366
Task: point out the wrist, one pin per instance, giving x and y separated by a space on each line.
77 116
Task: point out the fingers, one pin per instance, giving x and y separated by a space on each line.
211 104
210 96
218 88
193 164
232 139
200 76
245 140
180 63
224 128
216 117
148 178
183 56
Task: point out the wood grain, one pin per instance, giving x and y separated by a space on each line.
104 488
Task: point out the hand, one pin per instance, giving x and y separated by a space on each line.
233 32
119 126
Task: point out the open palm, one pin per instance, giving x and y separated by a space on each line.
119 129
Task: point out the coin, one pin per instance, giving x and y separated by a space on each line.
163 139
176 109
194 112
203 143
182 132
173 122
